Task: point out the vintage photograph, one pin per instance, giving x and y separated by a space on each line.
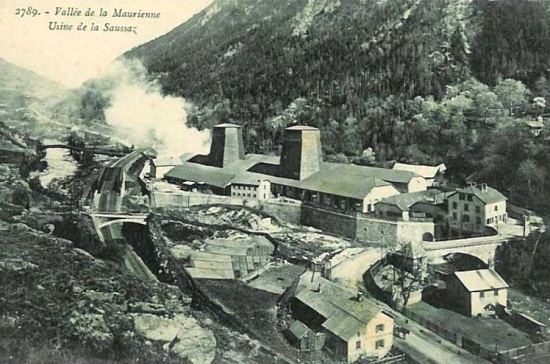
274 181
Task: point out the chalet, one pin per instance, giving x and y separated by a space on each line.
429 173
355 327
473 208
476 292
535 126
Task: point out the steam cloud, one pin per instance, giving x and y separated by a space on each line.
143 116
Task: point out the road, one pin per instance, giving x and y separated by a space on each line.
425 346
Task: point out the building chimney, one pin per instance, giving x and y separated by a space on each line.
301 154
227 145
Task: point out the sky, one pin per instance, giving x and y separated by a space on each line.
72 57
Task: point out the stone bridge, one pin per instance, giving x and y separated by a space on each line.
483 248
109 225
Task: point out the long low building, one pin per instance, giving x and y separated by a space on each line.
230 258
299 173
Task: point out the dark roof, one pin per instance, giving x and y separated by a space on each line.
214 176
342 180
348 180
344 314
486 194
385 174
404 201
200 173
298 329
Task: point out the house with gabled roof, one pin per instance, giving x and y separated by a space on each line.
476 292
474 208
355 327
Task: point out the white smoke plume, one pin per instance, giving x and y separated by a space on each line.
143 116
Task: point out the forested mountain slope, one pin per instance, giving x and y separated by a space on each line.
421 81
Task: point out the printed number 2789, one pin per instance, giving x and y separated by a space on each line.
30 11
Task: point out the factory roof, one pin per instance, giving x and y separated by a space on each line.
421 170
347 180
481 280
200 173
385 174
342 180
345 315
167 161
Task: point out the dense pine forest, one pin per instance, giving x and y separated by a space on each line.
417 81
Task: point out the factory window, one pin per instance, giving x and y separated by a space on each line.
496 207
478 220
469 197
466 207
461 196
466 218
379 344
454 215
478 209
495 292
481 294
358 344
455 205
379 328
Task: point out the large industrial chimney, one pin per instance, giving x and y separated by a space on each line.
227 145
301 154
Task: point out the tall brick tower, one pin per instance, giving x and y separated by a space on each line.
301 154
227 145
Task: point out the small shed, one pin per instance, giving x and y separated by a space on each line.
302 337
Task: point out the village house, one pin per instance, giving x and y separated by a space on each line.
535 126
476 292
355 327
475 207
429 173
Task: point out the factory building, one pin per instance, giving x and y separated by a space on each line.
300 173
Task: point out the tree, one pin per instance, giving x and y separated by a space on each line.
512 94
485 101
528 172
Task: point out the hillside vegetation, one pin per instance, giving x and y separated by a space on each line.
416 81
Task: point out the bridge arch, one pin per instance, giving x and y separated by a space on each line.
122 221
